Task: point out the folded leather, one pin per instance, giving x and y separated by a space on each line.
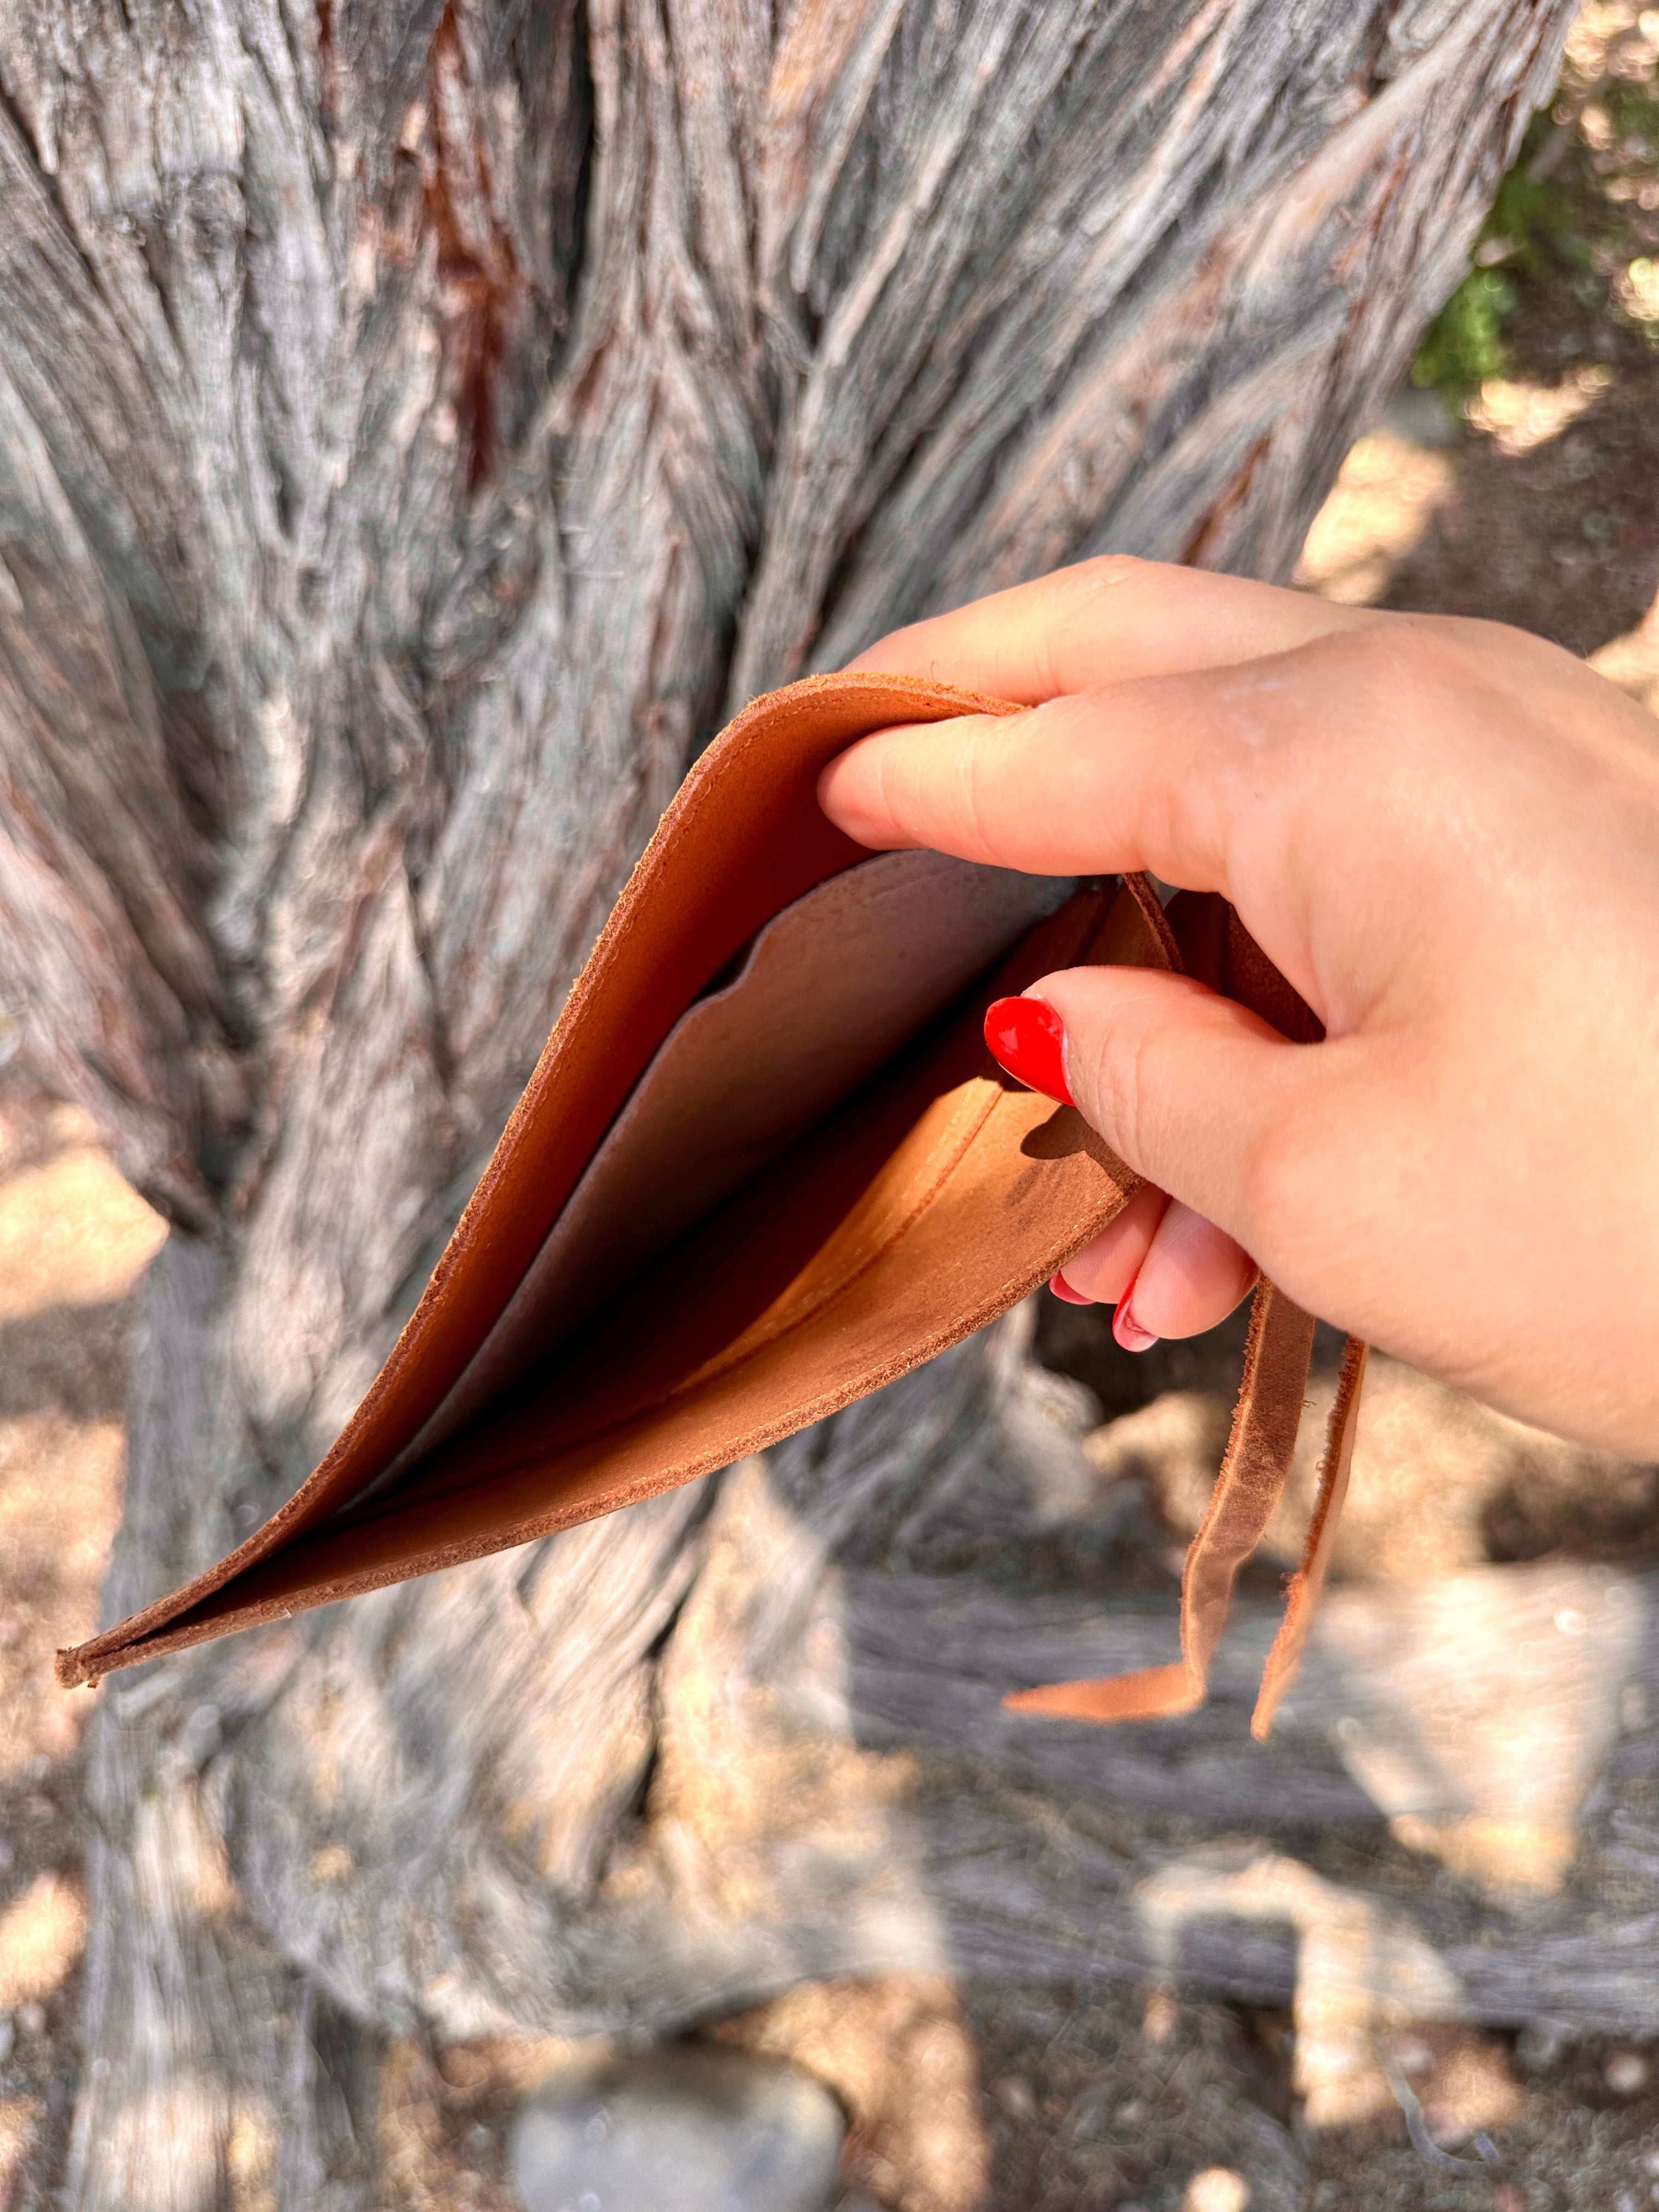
764 1165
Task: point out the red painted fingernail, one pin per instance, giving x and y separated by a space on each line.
1127 1329
1028 1037
1062 1289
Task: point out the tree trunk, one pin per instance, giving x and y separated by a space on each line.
419 425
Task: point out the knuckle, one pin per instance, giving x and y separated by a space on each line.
1379 652
1416 659
1103 572
980 790
1073 608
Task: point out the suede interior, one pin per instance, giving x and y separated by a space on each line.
926 1204
823 996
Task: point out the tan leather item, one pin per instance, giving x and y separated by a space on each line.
765 1165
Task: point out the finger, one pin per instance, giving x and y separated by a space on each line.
1131 777
1102 1271
1103 622
1186 1274
1193 1276
1185 775
1196 1093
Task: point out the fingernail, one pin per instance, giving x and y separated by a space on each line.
1128 1330
1062 1289
1028 1037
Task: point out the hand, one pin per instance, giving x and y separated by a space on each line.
1446 835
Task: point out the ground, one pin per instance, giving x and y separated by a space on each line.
1518 485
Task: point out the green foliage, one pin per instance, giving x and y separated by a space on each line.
1538 219
1464 343
1634 112
1534 229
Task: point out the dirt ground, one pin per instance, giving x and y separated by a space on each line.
74 1239
1536 504
1532 501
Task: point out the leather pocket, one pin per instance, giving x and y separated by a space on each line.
920 1208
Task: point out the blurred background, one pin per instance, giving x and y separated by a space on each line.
1514 476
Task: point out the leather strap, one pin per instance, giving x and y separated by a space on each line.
1261 1444
1303 1595
1254 1472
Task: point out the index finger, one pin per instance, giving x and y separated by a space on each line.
1103 622
1182 774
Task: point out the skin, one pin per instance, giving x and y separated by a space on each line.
1446 835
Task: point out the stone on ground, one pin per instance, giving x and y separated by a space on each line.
691 2128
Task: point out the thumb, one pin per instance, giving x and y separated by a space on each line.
1193 1091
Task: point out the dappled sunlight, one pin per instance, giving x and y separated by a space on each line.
20 2122
1440 1484
901 2055
75 1241
42 1934
1478 1709
1522 492
1376 513
783 1743
73 1231
60 1491
165 2144
1361 1971
1517 416
1632 661
1473 2086
1216 2189
1528 509
1505 1859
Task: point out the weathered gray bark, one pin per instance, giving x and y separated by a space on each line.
417 424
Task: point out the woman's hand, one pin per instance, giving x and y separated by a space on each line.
1446 835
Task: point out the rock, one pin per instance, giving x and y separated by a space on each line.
1626 2072
1217 2188
689 2128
